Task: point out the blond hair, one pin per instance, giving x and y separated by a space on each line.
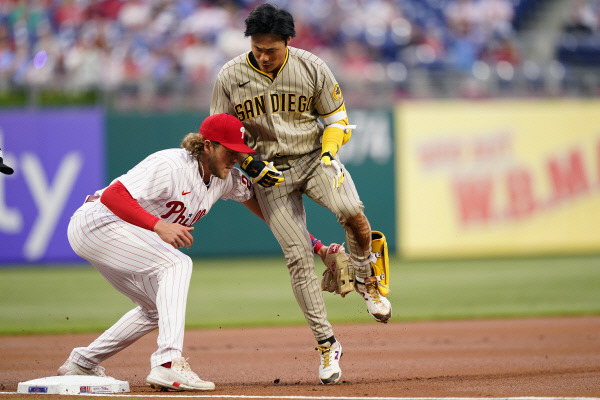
194 144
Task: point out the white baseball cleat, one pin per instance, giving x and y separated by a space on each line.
71 368
378 306
329 368
179 377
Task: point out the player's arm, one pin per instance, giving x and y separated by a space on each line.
337 130
252 205
337 133
318 247
329 104
117 199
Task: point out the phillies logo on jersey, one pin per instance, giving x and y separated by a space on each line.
177 207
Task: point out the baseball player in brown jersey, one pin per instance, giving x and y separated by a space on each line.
279 93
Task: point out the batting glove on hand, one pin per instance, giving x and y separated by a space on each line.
333 169
263 173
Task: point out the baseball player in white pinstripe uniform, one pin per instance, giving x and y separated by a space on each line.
279 93
131 232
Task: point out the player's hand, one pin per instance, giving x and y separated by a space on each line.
263 173
176 235
323 253
333 169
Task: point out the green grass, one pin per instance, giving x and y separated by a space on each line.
256 291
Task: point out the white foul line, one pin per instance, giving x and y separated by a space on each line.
235 396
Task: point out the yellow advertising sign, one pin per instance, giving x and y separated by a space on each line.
498 178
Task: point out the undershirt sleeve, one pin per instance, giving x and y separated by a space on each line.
119 201
316 244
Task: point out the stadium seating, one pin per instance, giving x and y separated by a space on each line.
156 53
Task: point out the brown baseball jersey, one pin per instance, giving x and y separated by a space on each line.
281 114
281 117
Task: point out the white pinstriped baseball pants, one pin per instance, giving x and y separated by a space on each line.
284 212
140 265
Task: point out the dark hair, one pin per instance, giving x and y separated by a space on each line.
267 18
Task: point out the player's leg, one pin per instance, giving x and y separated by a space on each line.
285 215
284 212
133 325
173 280
144 268
345 203
129 328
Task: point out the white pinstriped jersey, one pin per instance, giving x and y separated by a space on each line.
168 184
280 115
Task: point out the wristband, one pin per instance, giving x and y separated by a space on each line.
316 244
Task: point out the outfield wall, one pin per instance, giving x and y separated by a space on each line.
58 157
498 178
440 179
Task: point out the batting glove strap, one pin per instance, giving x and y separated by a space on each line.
345 128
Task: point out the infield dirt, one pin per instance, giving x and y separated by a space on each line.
543 357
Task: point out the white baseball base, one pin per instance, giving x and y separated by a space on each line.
73 384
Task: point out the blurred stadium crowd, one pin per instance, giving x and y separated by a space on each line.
165 54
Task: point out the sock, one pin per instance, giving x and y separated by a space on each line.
327 342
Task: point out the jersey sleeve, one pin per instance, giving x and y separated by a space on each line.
150 179
329 99
238 187
221 101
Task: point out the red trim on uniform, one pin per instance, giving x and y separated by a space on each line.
118 200
316 244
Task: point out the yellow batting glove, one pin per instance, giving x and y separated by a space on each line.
263 173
